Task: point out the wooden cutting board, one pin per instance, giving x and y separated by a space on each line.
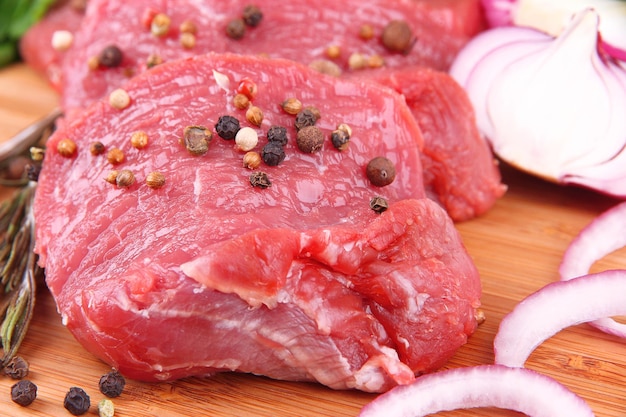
517 247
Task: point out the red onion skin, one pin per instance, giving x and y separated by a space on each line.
517 389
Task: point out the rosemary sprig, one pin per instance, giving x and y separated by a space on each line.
19 271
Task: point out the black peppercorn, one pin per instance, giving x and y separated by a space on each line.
340 139
310 139
305 118
235 29
273 153
24 392
32 171
77 401
379 204
227 127
381 171
277 134
260 179
112 384
110 57
252 15
17 368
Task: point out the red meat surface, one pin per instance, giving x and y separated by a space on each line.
460 171
298 281
299 30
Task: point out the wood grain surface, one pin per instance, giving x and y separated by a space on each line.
517 247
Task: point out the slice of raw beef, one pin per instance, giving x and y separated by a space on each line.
300 30
460 171
301 280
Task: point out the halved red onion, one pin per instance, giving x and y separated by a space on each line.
554 307
605 234
499 386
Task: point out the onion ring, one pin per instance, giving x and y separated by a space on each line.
605 234
554 307
518 389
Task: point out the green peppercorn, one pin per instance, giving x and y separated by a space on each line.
273 153
260 180
252 15
277 134
17 368
227 127
112 384
110 57
305 117
379 204
76 401
381 171
197 139
24 392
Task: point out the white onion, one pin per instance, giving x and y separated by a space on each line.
550 106
554 307
499 386
605 234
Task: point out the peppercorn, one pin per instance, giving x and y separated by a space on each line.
310 139
346 128
139 139
325 66
254 115
110 57
381 171
251 160
125 178
340 139
197 139
111 177
160 24
398 37
97 148
153 60
187 40
248 88
246 139
252 15
115 156
379 204
273 153
305 118
333 51
66 147
112 384
277 134
357 61
292 105
366 32
36 153
375 61
155 180
188 26
24 392
236 29
17 368
32 172
77 401
227 127
106 408
240 101
260 179
119 99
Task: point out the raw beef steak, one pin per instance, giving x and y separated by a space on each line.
460 171
299 30
301 280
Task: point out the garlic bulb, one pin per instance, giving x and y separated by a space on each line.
554 107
